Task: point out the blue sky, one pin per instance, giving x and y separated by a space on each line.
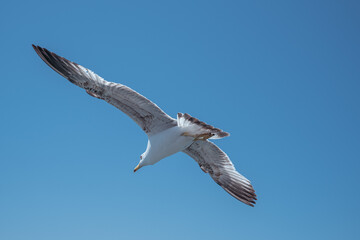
282 77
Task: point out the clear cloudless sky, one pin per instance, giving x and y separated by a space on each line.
283 77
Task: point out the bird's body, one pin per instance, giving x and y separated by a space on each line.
166 135
164 144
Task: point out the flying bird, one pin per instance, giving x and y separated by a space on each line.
166 135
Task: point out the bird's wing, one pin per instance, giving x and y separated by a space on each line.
214 161
144 112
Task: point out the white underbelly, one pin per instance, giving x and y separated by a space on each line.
169 142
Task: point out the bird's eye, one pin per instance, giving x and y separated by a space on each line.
140 157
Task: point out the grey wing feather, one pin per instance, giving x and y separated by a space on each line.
144 112
214 161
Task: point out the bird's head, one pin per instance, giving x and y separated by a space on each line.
146 158
141 163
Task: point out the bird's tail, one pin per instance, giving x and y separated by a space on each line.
198 129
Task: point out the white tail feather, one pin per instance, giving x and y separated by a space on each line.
194 126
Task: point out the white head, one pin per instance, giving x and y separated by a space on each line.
141 163
144 158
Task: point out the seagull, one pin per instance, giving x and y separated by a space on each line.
166 135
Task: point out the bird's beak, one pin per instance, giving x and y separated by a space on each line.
137 167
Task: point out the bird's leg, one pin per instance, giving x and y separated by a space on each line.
203 136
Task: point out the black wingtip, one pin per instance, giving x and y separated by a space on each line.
34 47
37 49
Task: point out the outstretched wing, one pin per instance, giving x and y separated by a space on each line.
144 112
214 161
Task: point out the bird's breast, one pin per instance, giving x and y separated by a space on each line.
169 142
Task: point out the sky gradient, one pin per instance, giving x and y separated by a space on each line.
282 77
